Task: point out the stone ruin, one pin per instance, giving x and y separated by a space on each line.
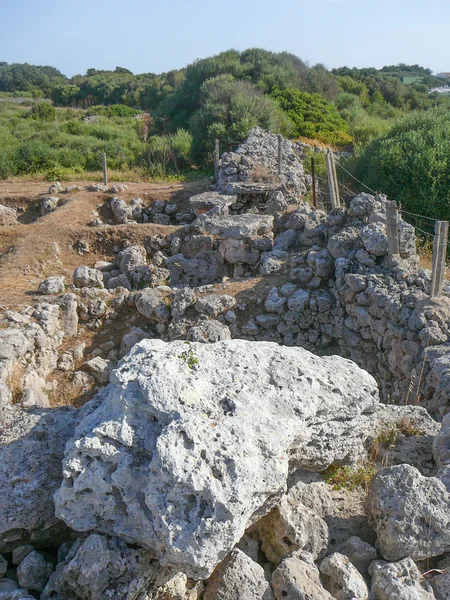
195 472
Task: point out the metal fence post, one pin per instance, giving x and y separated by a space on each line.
105 170
392 228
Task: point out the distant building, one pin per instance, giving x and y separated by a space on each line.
443 75
444 89
410 80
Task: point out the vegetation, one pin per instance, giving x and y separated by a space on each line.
312 116
166 124
350 478
410 163
189 357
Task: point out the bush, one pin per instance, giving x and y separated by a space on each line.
43 111
168 153
230 109
312 116
411 163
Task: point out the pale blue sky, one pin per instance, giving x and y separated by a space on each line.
156 36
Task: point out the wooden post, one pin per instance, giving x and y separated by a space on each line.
105 170
439 255
280 153
216 159
313 175
392 228
330 180
335 180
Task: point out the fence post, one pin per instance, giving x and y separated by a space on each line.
335 180
216 159
439 255
105 170
280 152
330 180
392 228
313 175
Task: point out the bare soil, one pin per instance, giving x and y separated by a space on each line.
38 247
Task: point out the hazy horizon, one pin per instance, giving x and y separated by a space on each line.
156 37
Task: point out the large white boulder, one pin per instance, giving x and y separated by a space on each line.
192 443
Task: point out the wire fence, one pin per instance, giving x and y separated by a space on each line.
424 225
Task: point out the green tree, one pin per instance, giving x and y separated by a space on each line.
312 116
229 109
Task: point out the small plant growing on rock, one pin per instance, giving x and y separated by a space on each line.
189 357
350 478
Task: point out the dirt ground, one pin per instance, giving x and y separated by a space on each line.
38 246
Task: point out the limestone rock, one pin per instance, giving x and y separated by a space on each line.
360 553
410 513
132 337
202 203
99 368
295 579
441 586
374 238
102 567
152 304
238 578
215 305
8 216
49 205
52 285
31 449
3 566
441 444
21 552
131 258
209 332
234 226
291 526
34 571
342 579
185 448
86 277
401 580
182 300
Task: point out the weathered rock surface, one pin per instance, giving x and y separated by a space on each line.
410 513
101 567
87 277
181 456
441 586
361 554
8 216
297 579
31 450
238 578
52 285
34 571
292 526
342 579
399 581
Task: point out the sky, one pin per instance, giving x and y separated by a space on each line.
157 36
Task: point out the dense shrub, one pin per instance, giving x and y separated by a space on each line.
43 111
229 109
168 153
411 163
312 116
